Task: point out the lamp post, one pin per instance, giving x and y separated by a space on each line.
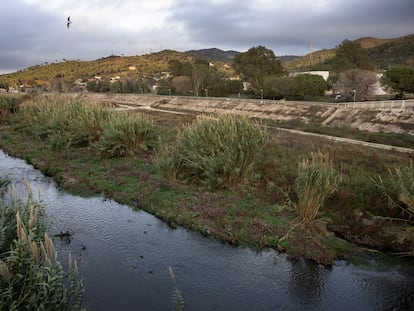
261 95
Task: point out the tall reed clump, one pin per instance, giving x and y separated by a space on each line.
31 277
398 188
126 135
64 122
7 104
316 181
217 153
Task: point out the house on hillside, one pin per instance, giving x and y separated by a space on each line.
114 79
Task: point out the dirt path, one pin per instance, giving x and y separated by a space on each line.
122 107
243 107
328 137
346 140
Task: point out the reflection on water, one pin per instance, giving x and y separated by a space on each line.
124 258
306 281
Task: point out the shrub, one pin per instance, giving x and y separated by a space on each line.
218 153
31 277
316 181
398 188
63 122
126 135
8 104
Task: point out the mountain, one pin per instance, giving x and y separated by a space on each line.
214 54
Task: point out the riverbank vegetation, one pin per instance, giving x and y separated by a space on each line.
31 277
223 176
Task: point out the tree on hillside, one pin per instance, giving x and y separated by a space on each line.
279 87
400 79
165 87
182 85
226 87
356 84
179 68
200 74
256 64
4 86
350 55
132 85
310 85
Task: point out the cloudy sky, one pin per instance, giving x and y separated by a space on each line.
34 31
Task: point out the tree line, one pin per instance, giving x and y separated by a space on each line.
352 76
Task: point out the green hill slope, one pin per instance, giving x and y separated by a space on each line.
149 65
384 53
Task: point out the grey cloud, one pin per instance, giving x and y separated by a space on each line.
30 36
23 29
241 25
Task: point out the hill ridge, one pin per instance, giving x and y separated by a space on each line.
383 52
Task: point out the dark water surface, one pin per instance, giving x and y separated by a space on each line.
126 255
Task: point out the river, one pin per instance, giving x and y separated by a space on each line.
124 257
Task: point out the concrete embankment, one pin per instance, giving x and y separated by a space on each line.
381 116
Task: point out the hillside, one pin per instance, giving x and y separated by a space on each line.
399 51
149 65
383 53
315 60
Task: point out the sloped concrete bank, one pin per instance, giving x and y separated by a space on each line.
387 117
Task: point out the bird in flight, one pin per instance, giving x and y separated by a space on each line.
68 22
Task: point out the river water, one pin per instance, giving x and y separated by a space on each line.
124 257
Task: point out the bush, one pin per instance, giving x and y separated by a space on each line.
218 153
8 104
126 135
63 122
31 277
316 181
398 188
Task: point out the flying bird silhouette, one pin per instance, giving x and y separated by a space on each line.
68 22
